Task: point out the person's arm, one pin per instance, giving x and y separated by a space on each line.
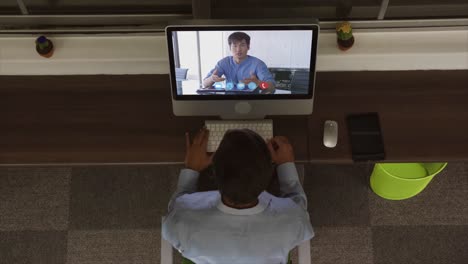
208 81
213 76
265 75
271 88
196 160
187 184
290 186
259 75
282 154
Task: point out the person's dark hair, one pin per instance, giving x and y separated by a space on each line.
242 165
238 36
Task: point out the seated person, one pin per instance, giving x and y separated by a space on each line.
241 67
240 222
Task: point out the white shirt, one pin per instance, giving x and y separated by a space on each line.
205 230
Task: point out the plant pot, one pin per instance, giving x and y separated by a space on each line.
46 52
345 44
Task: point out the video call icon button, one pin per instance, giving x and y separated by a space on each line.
263 85
229 85
218 85
252 85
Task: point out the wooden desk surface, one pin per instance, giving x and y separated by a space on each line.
423 114
128 119
102 119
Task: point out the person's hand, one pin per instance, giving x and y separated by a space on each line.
281 150
196 157
215 78
252 78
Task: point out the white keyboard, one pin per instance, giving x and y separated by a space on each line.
217 129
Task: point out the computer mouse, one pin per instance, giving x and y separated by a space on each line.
330 133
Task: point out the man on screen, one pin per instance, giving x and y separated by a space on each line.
241 68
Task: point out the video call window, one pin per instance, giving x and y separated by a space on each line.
242 62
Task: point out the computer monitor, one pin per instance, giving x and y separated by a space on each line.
242 69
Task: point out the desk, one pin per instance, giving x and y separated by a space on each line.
423 114
128 119
101 119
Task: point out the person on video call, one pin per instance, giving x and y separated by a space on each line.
241 67
240 222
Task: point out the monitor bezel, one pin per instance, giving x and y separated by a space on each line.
313 60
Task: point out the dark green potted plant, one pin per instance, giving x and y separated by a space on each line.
345 36
44 47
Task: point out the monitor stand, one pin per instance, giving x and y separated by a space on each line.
243 110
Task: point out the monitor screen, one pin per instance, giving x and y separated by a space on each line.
242 62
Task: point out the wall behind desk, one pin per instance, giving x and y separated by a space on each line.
147 54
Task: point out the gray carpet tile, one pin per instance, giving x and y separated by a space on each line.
443 202
336 245
420 244
34 198
120 197
38 247
113 214
114 246
337 194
